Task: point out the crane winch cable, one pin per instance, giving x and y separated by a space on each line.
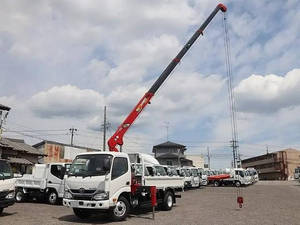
232 106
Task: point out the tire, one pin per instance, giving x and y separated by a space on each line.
216 183
1 210
19 196
121 210
237 183
82 213
53 198
168 201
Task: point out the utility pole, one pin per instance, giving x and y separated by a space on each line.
167 124
267 149
104 129
3 115
104 126
208 157
72 130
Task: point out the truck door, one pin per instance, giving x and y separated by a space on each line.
120 176
55 179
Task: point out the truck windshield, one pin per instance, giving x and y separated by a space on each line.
90 165
5 170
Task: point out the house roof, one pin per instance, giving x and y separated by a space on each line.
19 161
169 144
3 107
19 145
58 143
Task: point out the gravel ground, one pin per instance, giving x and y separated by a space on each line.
264 203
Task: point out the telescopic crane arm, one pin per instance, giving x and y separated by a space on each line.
117 138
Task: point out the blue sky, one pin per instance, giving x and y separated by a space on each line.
62 61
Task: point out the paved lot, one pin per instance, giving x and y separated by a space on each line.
265 203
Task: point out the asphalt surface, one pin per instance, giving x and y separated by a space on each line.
264 203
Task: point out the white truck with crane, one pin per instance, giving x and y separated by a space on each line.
105 181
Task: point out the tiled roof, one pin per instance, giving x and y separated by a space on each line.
63 144
169 144
19 161
19 145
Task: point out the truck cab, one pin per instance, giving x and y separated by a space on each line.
203 176
195 178
7 185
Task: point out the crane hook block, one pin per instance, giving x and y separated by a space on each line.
240 201
222 7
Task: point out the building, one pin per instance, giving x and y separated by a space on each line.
20 155
276 165
59 152
198 160
170 153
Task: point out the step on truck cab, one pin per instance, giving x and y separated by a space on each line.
7 185
117 182
45 183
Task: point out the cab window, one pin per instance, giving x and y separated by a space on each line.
120 167
56 170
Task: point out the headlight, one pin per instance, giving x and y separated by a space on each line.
67 194
101 196
10 195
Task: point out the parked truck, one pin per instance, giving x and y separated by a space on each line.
7 185
233 176
117 182
45 183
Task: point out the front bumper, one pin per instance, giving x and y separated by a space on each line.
85 204
6 202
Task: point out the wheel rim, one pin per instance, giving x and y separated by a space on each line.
52 197
120 209
238 184
170 201
19 196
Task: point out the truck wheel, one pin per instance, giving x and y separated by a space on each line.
1 210
82 213
19 196
237 183
168 201
52 198
121 210
216 183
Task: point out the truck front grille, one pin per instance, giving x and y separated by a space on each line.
83 191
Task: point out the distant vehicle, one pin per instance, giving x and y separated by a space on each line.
203 176
195 178
254 174
185 173
235 176
7 185
45 182
297 173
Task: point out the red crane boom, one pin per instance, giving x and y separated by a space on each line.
117 138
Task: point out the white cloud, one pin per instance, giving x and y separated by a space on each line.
270 93
66 101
